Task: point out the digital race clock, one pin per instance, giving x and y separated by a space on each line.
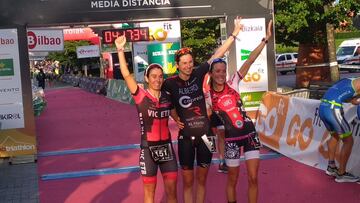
131 34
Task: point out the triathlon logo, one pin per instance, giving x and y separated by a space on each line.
9 144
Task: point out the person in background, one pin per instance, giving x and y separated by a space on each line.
240 131
154 106
332 114
40 77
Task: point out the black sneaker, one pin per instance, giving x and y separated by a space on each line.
223 168
347 178
332 171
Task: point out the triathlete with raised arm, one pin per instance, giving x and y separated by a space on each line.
153 106
187 96
240 131
332 114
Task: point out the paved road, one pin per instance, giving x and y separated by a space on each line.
289 79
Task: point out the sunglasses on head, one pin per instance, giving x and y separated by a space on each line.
215 61
218 60
183 51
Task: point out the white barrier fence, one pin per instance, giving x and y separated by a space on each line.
292 126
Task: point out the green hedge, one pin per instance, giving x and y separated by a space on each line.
347 35
339 37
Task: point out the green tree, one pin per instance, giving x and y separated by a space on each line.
305 21
310 24
202 36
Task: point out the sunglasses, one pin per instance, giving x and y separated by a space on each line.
215 61
183 51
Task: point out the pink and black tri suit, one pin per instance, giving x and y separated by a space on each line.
156 147
239 129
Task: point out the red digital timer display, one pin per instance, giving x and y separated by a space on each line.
131 34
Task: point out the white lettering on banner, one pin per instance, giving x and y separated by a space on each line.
19 148
74 31
128 3
4 41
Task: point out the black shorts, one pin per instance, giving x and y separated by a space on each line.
149 167
215 121
188 148
251 147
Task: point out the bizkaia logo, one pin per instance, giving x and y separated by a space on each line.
252 28
4 41
10 116
35 40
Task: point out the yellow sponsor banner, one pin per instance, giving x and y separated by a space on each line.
16 142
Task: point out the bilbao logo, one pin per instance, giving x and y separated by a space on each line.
35 40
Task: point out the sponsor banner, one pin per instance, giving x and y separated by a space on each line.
45 40
6 67
88 51
292 126
256 79
163 31
252 100
11 116
130 4
11 101
164 54
118 90
160 32
16 143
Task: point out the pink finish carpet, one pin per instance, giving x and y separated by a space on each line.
75 119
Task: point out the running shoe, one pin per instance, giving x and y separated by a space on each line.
223 168
332 171
346 178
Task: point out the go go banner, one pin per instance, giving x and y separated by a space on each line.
292 126
255 82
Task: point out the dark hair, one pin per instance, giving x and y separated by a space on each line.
152 66
181 52
215 61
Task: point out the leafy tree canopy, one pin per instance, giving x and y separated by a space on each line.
201 35
305 21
